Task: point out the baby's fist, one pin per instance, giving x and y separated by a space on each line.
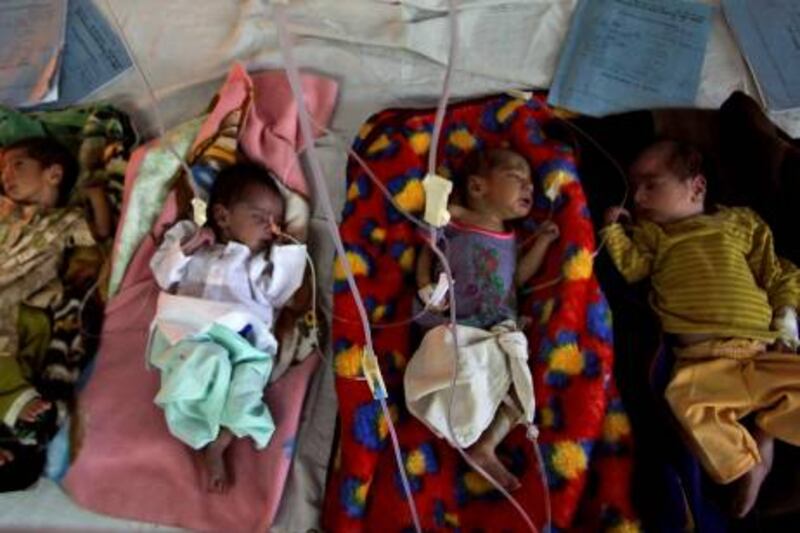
548 231
613 214
203 237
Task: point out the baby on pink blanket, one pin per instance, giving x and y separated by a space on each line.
213 377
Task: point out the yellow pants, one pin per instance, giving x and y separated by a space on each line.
717 383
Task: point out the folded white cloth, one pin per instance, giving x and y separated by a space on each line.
178 317
785 323
492 368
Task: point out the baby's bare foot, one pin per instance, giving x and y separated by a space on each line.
217 478
749 485
5 456
34 409
488 461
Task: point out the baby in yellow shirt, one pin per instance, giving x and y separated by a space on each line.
723 294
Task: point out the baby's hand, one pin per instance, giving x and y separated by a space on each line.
203 237
277 233
547 232
425 294
613 214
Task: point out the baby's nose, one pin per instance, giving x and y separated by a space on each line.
272 227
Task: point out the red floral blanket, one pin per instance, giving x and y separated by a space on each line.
585 434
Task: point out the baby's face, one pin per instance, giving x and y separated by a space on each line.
509 188
25 180
659 194
252 220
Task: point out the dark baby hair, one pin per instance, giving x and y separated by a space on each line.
687 161
479 163
231 183
682 158
48 152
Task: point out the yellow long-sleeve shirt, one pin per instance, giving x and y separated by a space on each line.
712 274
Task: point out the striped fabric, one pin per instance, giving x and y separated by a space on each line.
713 273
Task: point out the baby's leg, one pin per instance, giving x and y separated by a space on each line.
20 371
218 478
483 451
773 383
749 485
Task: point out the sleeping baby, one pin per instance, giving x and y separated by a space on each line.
212 336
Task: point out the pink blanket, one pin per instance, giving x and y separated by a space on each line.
129 465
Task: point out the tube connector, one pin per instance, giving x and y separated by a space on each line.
437 196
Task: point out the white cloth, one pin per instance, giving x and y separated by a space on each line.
227 285
492 369
178 317
785 322
229 272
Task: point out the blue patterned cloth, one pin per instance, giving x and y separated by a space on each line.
483 265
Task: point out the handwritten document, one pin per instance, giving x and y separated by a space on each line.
31 41
631 54
768 32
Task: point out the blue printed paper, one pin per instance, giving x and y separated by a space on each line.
94 54
621 55
31 44
768 32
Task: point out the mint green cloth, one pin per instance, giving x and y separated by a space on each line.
152 183
212 380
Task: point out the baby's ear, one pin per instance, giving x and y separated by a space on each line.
54 174
221 216
699 184
476 185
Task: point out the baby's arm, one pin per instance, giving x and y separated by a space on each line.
169 262
424 267
633 257
780 279
425 285
297 306
300 302
101 218
532 260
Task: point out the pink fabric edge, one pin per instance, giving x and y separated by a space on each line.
97 480
271 132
